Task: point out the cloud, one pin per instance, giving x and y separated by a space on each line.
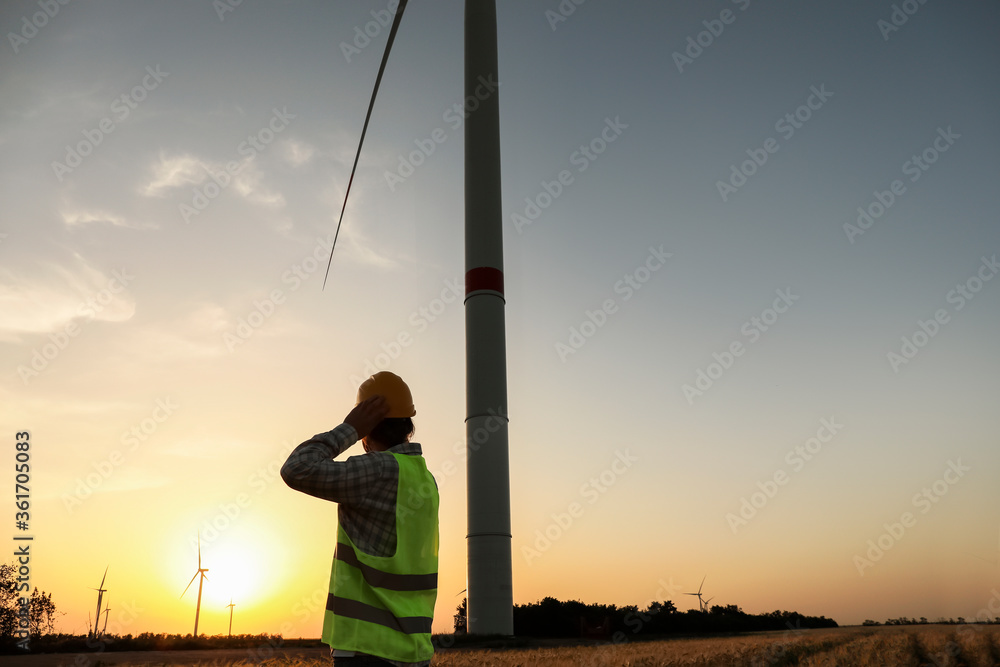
174 172
297 153
249 184
194 335
50 296
206 449
360 248
80 218
187 170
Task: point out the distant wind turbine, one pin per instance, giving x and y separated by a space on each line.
100 596
107 608
230 606
201 571
701 604
991 561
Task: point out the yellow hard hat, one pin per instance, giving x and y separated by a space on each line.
395 391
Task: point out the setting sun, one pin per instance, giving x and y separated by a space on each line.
240 573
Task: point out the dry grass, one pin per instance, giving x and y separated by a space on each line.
938 646
916 646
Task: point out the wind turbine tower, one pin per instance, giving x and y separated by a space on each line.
491 597
491 604
107 609
100 596
230 605
701 605
201 572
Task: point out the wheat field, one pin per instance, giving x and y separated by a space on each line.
906 646
940 646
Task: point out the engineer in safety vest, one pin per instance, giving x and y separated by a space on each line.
384 578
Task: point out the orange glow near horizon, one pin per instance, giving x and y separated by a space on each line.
269 548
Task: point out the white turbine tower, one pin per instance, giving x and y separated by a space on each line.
491 603
100 596
107 609
491 600
201 571
701 605
230 606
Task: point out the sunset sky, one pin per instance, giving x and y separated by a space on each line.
751 256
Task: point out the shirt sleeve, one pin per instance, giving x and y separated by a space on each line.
310 468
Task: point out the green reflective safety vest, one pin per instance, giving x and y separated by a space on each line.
384 606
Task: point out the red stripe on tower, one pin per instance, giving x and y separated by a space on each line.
483 278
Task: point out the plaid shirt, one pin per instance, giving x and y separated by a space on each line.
364 486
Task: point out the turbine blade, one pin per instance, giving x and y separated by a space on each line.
189 584
364 129
702 582
105 576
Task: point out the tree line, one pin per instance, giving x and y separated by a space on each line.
551 617
39 612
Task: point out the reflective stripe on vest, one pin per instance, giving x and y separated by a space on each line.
384 606
379 579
